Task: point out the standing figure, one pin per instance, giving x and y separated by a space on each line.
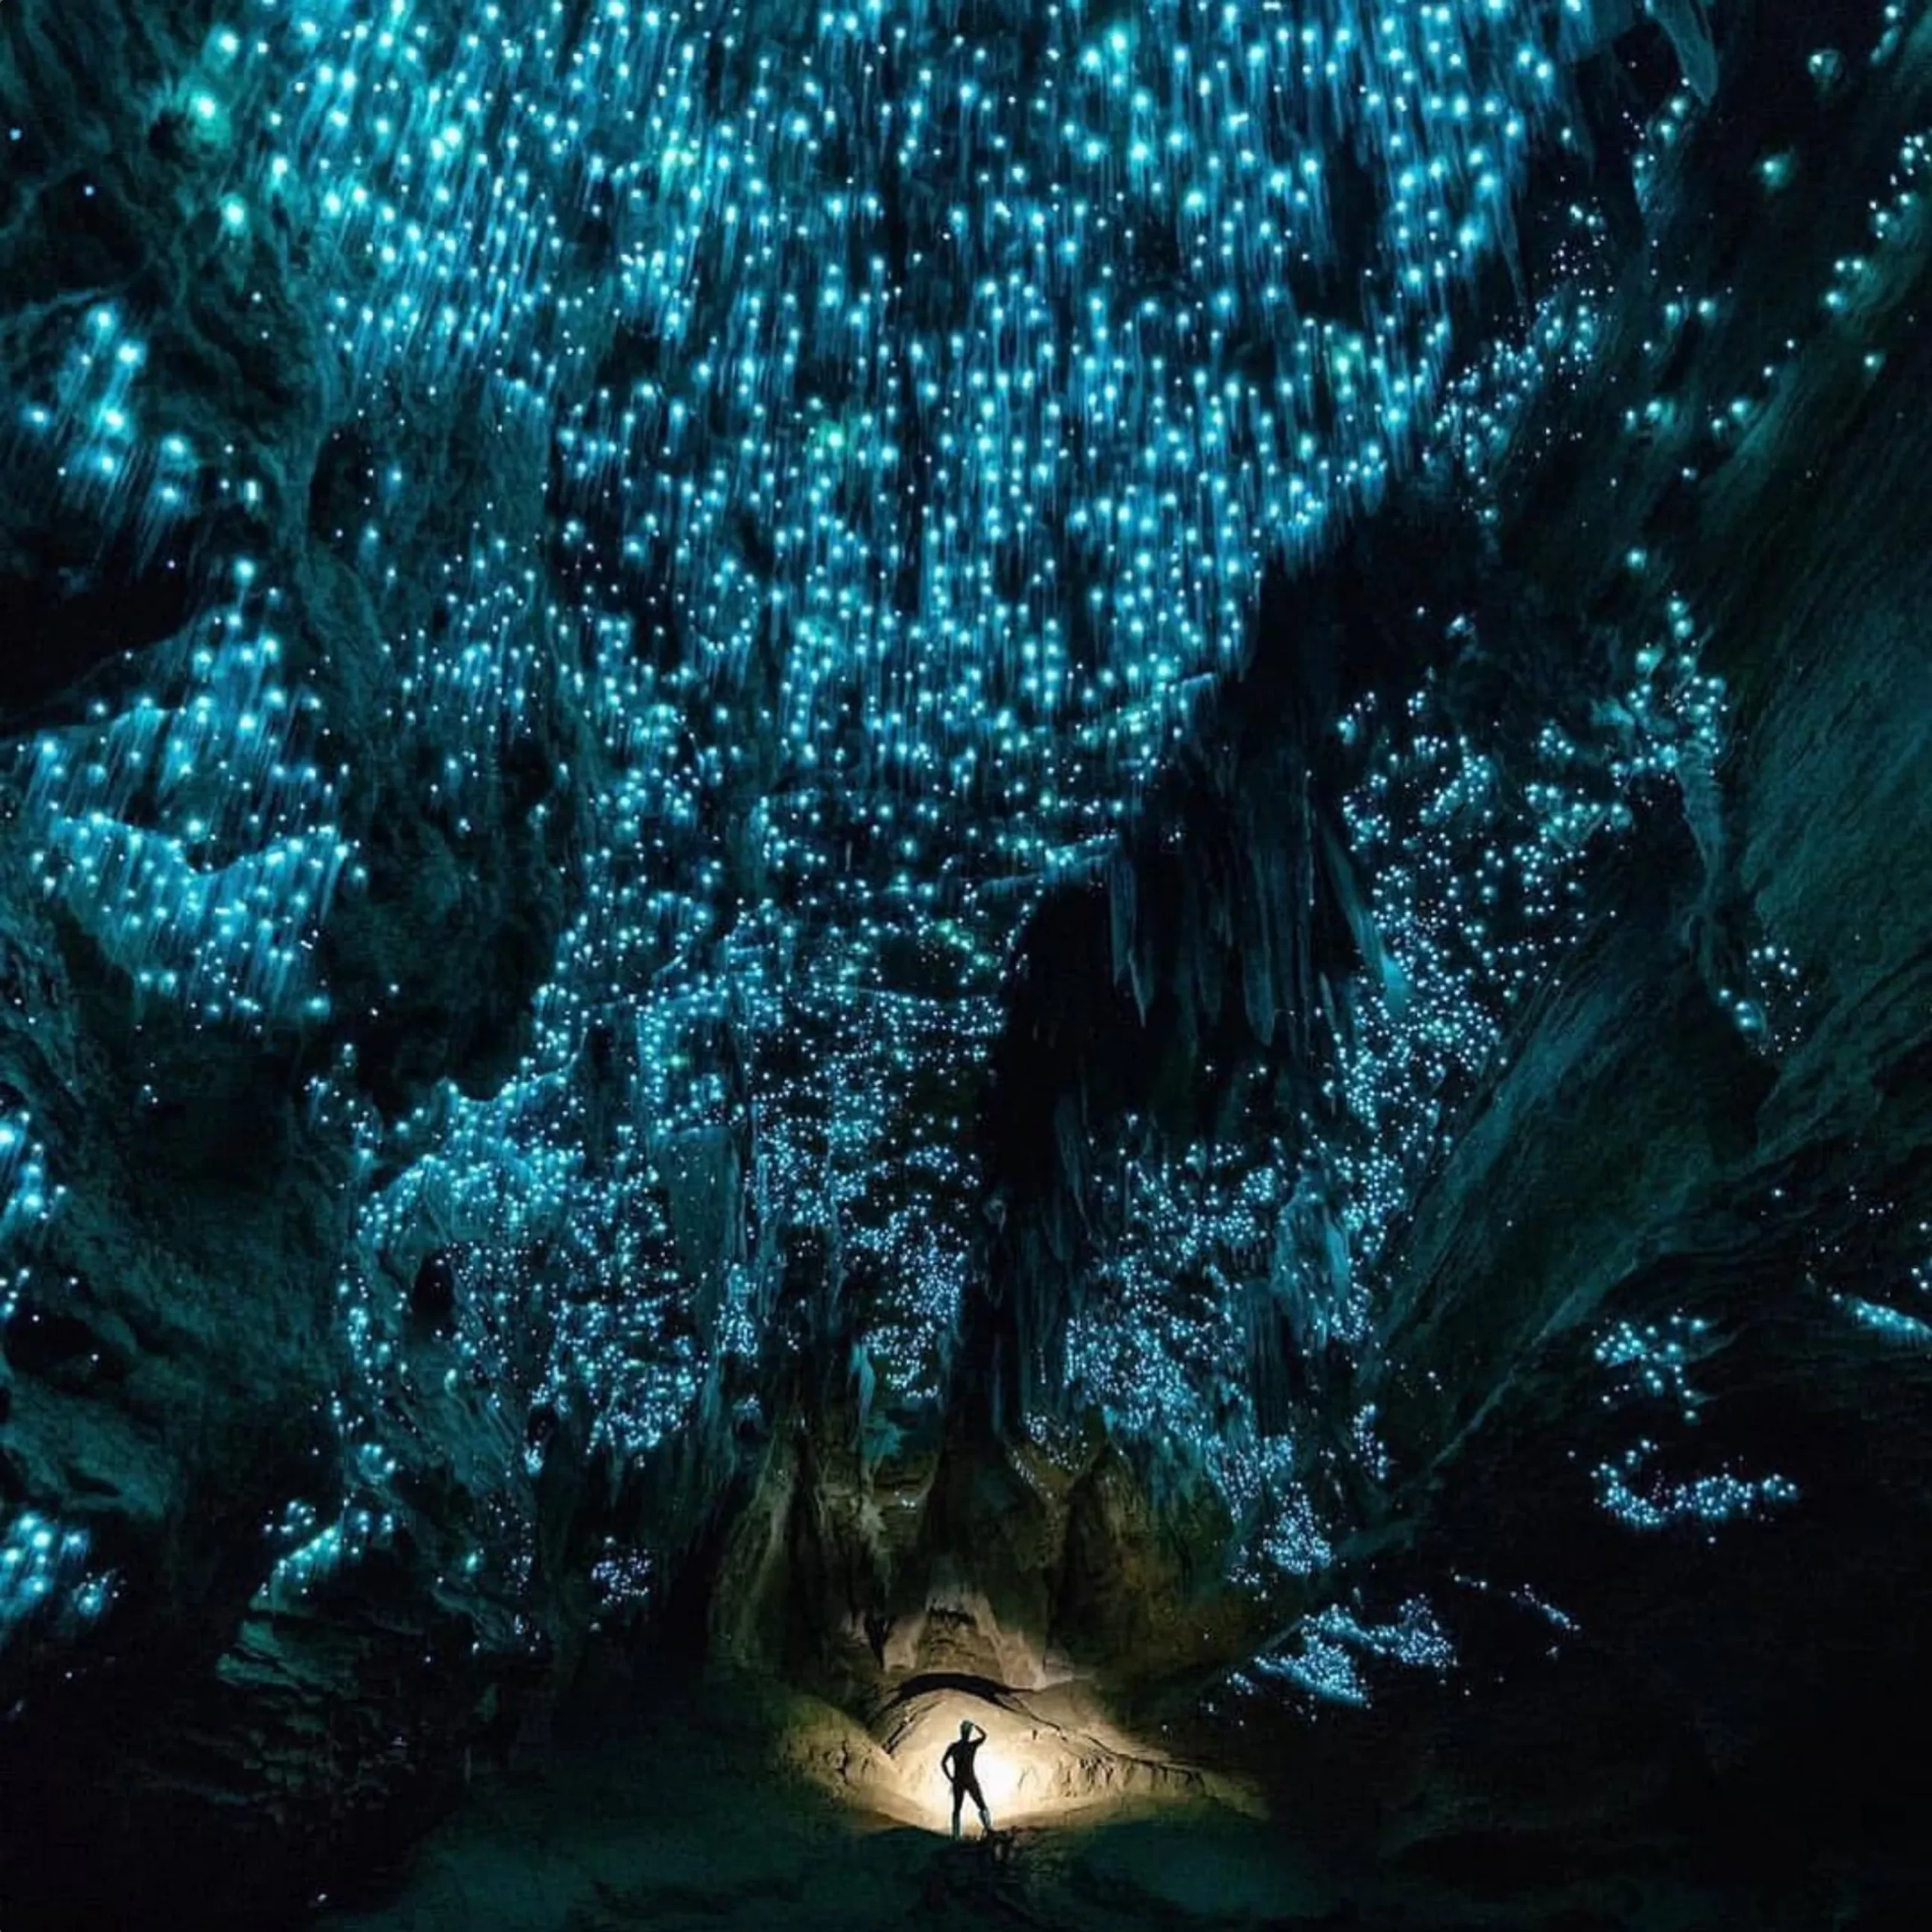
958 1765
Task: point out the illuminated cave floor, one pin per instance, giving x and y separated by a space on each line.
768 1864
678 1834
669 1818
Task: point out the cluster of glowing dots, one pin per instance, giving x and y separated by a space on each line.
1476 894
947 392
44 1578
311 1553
1021 351
194 836
1653 1359
107 461
1325 1656
1772 1009
1893 1323
621 1576
1653 1501
1158 1344
1897 1324
1650 1362
28 1199
842 1147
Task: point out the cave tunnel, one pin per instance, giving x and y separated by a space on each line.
1059 873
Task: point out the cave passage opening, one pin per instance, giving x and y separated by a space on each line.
1051 1755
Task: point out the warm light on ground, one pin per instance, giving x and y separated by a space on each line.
1047 1755
1023 1777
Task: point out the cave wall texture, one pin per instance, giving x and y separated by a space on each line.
1152 912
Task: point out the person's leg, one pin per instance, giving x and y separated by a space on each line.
979 1799
958 1799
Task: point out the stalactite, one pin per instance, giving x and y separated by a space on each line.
1688 24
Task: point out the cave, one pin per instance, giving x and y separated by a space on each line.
1025 888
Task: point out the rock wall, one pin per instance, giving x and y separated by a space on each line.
174 1355
1020 1565
1718 1691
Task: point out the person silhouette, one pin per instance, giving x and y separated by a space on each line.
958 1765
